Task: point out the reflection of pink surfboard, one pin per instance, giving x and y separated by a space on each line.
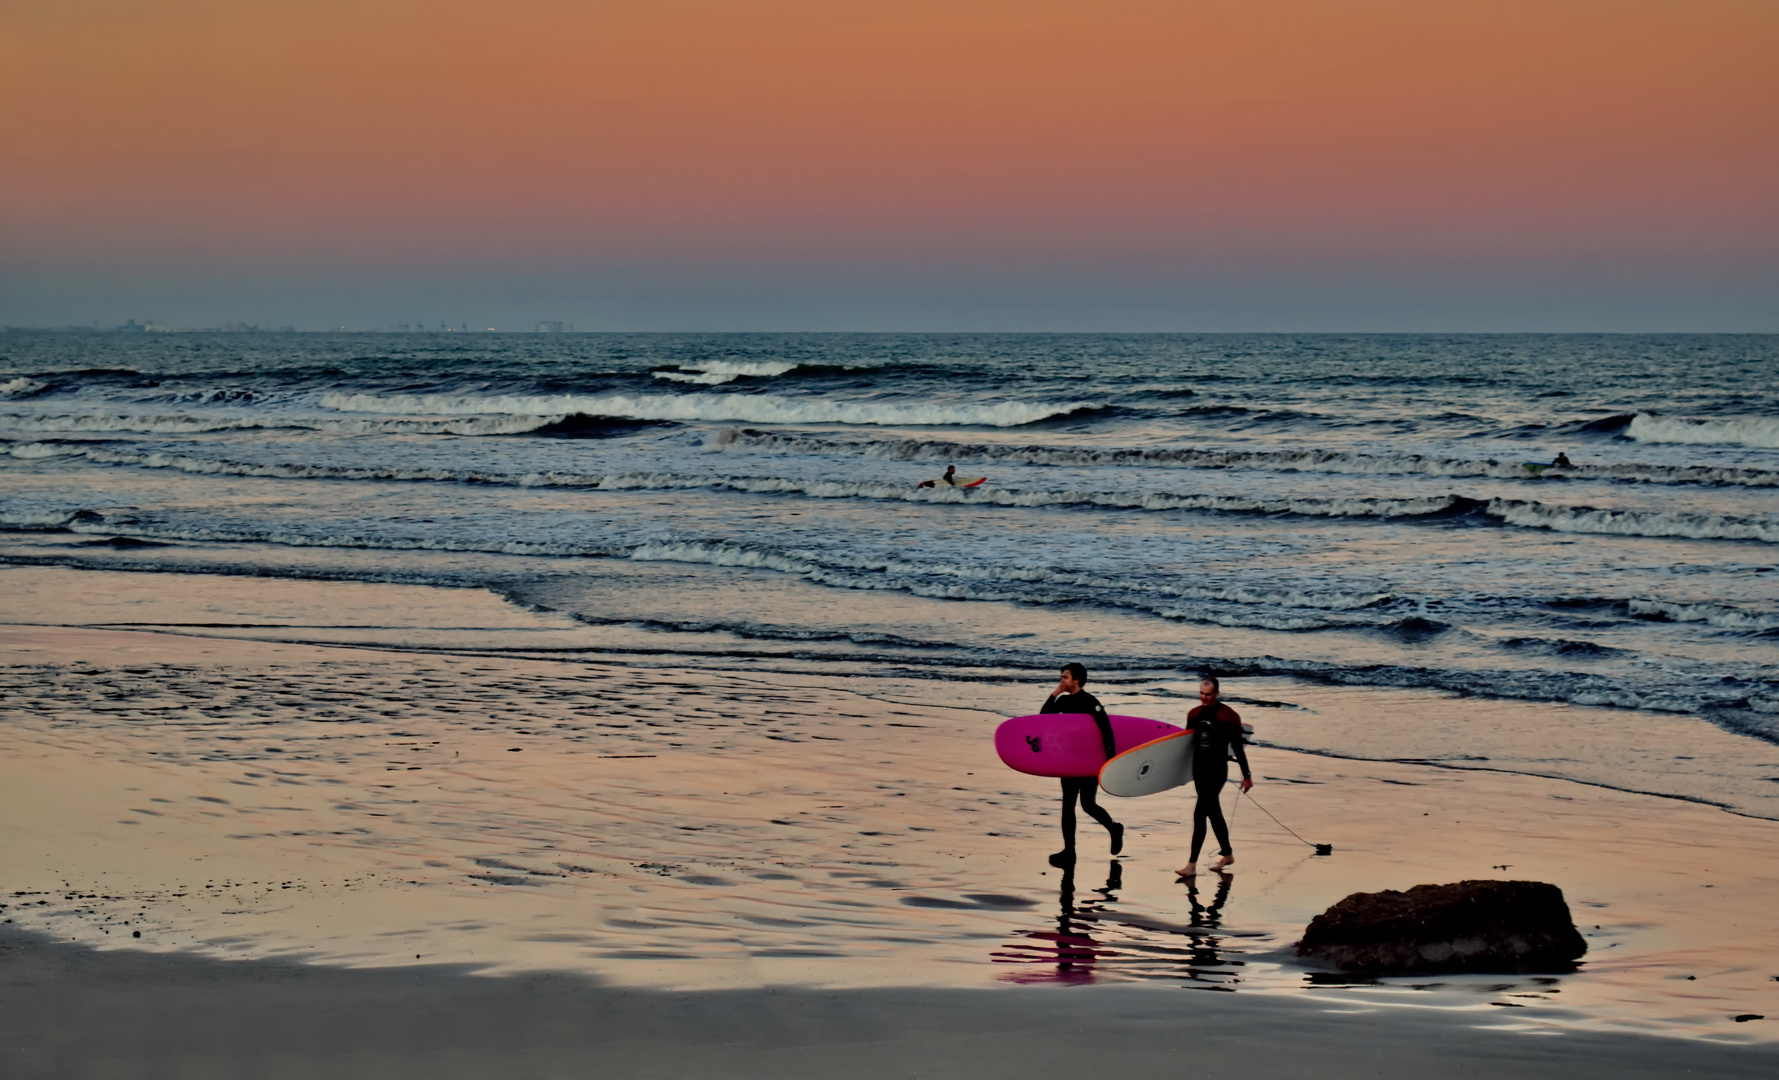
1068 744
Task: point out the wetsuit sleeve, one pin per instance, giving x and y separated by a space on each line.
1235 740
1049 705
1104 723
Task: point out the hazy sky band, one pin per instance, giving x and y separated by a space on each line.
1004 157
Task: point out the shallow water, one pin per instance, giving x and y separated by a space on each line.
1348 509
666 822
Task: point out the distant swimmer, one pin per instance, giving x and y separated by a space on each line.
1216 731
1069 697
952 479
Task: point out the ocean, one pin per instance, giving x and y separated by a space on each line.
1347 510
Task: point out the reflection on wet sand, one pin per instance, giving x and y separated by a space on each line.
709 828
1094 941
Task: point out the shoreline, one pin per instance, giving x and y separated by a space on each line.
671 829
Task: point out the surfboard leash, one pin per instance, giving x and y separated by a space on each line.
1321 849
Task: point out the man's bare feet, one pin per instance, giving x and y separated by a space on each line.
1222 861
1189 870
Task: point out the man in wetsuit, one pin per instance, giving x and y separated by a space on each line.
1069 697
1215 730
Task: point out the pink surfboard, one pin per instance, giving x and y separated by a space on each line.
1068 744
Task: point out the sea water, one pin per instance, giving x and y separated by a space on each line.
1353 510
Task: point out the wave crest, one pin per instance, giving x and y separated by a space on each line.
1650 523
1721 616
1760 432
199 423
716 372
747 408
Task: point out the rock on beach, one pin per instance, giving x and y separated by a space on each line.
1496 927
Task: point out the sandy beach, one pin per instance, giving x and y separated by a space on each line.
413 789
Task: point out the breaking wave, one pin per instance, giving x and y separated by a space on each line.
200 423
747 408
1757 431
716 372
1721 616
21 387
1650 523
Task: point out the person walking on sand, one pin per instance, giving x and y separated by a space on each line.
1215 730
1070 697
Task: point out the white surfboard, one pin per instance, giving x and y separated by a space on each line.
1153 767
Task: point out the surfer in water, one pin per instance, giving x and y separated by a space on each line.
1539 468
1215 729
1070 697
949 479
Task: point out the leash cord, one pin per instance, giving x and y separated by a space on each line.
1275 820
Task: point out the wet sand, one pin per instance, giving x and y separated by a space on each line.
79 1013
430 797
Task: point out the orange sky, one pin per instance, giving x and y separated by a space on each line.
385 131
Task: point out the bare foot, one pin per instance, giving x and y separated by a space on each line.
1222 861
1189 870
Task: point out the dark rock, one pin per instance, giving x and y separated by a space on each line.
1498 927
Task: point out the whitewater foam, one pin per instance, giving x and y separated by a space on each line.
1650 523
39 450
716 372
20 387
201 423
748 408
1721 616
1755 431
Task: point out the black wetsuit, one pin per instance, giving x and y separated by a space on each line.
1216 729
1083 788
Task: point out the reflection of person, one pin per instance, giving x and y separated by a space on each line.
1213 915
1068 953
1216 730
1069 697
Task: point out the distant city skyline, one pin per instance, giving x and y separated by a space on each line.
1290 165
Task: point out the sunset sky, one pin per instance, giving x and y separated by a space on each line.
908 165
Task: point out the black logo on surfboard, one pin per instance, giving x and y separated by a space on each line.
1036 743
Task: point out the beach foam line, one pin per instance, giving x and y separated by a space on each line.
1744 706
